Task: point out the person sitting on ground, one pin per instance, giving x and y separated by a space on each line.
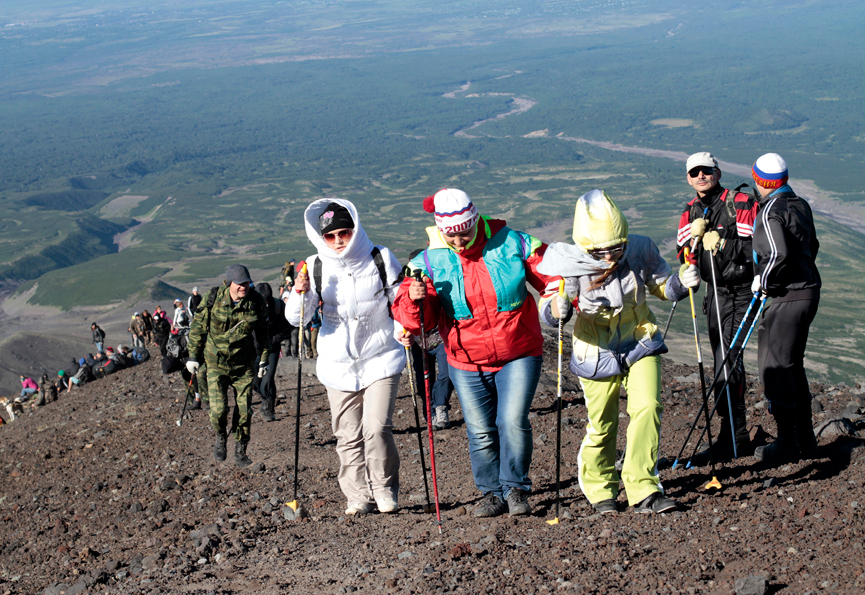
617 343
47 392
28 387
61 383
475 273
360 361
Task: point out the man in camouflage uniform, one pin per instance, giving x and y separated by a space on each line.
227 335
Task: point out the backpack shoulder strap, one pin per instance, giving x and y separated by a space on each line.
316 276
211 297
382 273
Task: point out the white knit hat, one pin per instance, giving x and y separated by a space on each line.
454 210
770 171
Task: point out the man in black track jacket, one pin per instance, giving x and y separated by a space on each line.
717 225
785 245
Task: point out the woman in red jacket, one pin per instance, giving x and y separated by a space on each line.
475 273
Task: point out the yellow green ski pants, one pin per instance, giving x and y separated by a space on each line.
599 479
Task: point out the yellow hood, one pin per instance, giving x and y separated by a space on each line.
598 222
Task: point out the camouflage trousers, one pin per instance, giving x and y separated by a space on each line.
217 388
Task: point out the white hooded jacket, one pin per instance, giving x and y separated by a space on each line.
356 343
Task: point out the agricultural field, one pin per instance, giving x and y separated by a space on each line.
149 145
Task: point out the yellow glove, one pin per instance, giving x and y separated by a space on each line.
712 242
698 227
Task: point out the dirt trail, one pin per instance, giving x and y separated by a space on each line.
103 493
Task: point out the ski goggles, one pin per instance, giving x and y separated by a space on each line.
614 251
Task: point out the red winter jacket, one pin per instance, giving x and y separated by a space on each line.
490 339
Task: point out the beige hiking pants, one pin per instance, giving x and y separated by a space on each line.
363 425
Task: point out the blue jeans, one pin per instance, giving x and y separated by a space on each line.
99 346
496 411
437 360
26 392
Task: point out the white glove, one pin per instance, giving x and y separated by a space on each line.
698 228
562 306
756 287
192 366
262 369
690 276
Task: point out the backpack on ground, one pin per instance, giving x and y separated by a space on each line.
176 346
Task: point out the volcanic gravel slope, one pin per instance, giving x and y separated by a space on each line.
104 493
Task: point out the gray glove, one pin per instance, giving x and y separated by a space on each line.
562 306
192 366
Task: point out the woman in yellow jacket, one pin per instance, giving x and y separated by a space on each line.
616 343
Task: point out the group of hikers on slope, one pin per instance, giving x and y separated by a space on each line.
469 285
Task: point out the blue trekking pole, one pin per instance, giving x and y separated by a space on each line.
732 344
741 355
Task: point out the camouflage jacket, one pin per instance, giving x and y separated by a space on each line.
223 334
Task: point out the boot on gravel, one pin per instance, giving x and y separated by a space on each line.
196 404
518 502
491 506
657 503
240 458
266 410
219 447
608 506
441 421
784 449
805 438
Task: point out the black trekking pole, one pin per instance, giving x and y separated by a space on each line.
725 362
723 357
739 360
555 521
298 509
432 450
429 506
713 483
185 401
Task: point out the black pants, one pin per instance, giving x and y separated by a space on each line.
267 385
783 336
732 303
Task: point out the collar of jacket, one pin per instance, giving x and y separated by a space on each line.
711 196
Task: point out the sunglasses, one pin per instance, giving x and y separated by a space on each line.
611 252
343 234
706 171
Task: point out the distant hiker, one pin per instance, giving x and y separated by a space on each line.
136 328
617 343
278 329
28 387
181 316
61 383
47 392
222 337
360 361
98 336
147 319
288 273
311 333
785 245
717 227
474 289
161 331
193 301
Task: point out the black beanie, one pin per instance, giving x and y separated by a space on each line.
334 216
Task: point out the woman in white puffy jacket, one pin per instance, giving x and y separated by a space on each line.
359 361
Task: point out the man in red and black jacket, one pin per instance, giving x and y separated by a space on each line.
717 226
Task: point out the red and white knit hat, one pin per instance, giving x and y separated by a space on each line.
454 210
770 171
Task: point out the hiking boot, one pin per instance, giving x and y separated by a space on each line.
518 502
359 508
607 506
219 447
240 458
722 451
441 421
805 438
784 449
490 506
266 411
386 505
196 404
657 503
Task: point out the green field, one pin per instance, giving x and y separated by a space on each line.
200 132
